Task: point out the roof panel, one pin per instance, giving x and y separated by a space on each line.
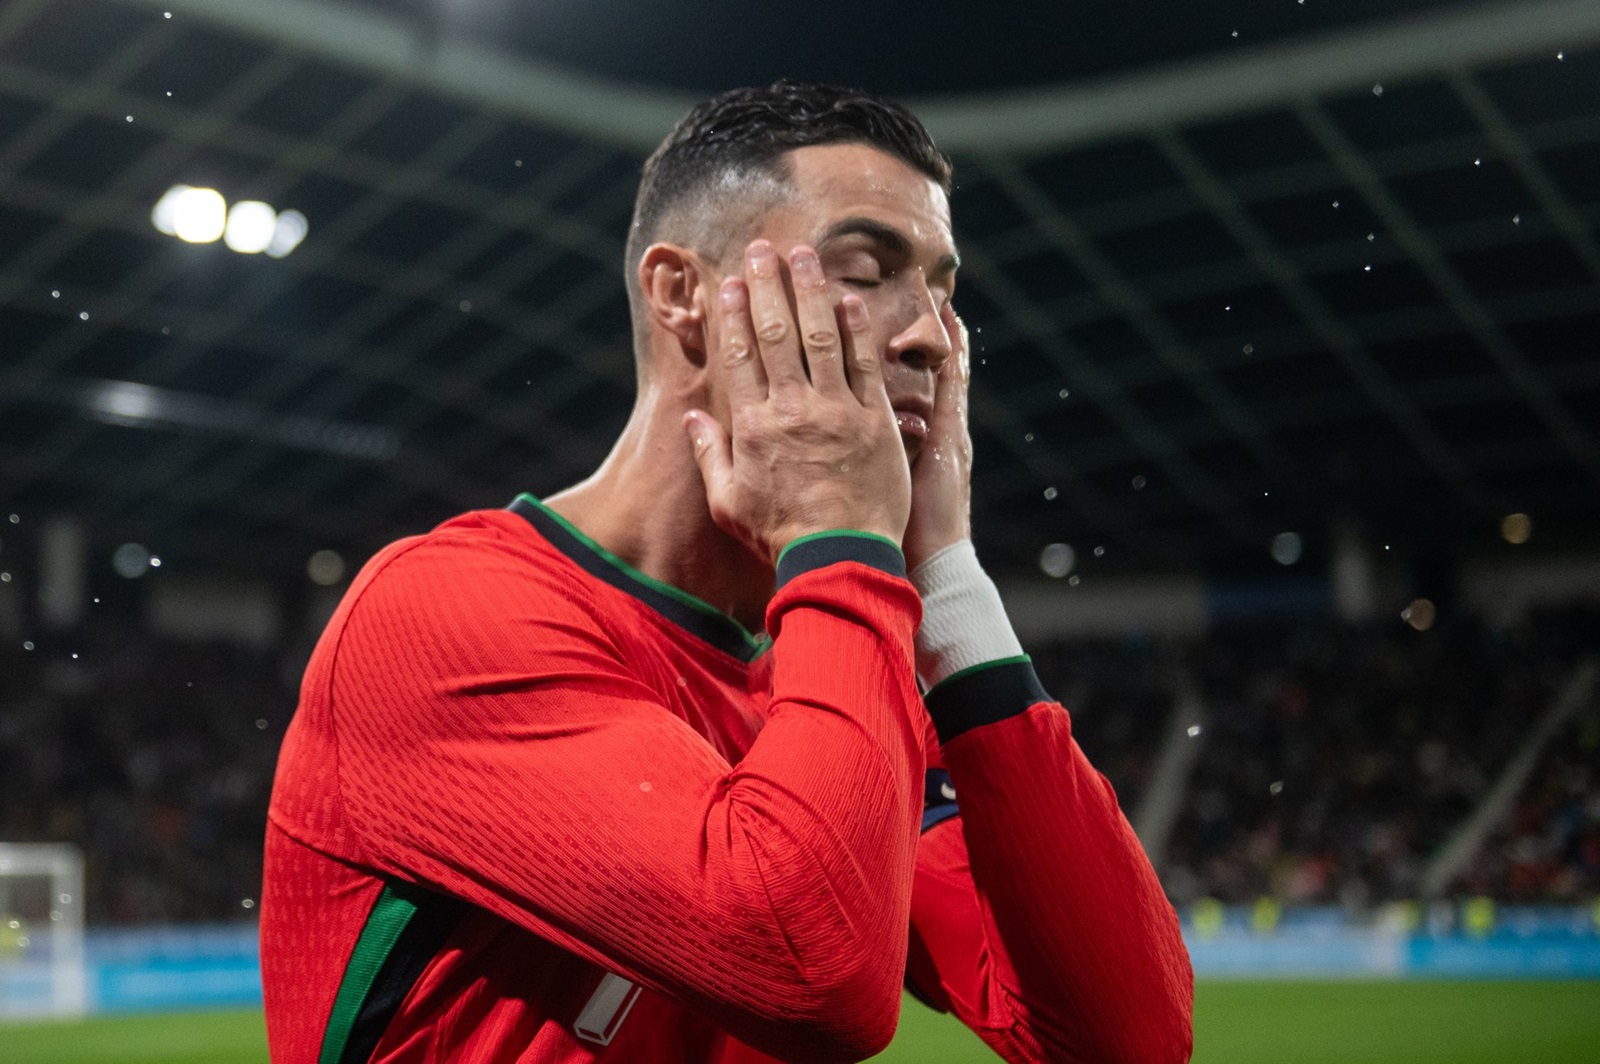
73 38
91 153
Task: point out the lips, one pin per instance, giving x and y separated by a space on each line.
911 423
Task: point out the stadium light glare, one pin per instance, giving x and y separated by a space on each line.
164 215
199 215
290 230
251 227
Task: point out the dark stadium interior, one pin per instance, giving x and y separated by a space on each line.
1366 314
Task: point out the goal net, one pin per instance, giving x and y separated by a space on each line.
41 930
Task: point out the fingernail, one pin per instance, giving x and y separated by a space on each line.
804 260
731 293
763 260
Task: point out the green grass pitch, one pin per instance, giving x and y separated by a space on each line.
1235 1023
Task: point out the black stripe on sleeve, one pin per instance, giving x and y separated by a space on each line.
983 695
813 552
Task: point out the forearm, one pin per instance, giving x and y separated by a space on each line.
1084 948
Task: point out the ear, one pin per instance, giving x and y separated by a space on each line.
672 280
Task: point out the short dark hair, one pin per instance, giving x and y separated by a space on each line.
744 134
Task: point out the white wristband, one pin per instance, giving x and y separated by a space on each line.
963 621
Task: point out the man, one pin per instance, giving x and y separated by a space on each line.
547 799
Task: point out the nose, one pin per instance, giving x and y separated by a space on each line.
924 344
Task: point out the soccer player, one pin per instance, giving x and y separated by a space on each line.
549 798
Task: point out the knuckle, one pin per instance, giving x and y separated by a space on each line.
736 351
821 340
772 331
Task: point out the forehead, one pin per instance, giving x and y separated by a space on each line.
833 181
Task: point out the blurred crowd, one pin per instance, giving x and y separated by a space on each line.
153 757
1335 762
1332 762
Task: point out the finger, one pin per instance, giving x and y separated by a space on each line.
777 340
819 324
747 380
713 453
860 356
960 340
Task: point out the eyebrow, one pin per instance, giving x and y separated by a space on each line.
890 238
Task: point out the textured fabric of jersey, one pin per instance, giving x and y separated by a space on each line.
607 777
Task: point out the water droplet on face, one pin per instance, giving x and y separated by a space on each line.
844 467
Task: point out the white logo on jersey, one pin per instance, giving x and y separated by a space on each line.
608 1006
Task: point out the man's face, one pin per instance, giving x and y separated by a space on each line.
882 230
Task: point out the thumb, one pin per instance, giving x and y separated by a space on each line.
712 454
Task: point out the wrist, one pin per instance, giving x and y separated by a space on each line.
964 623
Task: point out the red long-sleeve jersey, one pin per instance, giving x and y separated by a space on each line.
536 807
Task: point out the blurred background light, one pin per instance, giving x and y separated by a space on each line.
1057 560
131 561
290 230
251 227
164 214
1516 528
1420 614
1287 547
325 568
199 215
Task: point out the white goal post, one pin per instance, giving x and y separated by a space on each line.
41 930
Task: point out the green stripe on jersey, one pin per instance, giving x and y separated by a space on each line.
389 916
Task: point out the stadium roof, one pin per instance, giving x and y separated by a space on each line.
1336 270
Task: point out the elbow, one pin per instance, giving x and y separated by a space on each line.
848 1014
